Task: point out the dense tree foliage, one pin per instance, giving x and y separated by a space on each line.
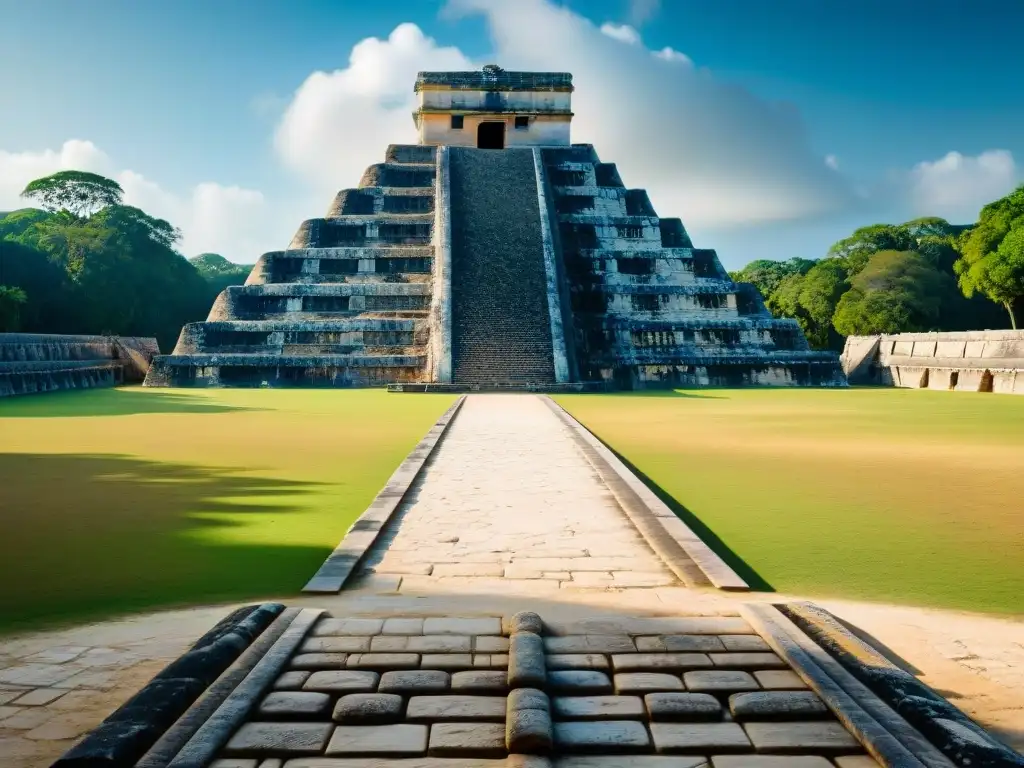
992 255
886 278
89 264
218 272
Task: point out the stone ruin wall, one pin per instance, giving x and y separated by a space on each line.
32 363
968 361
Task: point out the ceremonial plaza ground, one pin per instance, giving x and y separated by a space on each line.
134 519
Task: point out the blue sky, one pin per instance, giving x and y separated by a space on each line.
188 98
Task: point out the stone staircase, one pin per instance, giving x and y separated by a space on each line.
500 321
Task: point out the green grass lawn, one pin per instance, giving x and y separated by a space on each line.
883 494
127 499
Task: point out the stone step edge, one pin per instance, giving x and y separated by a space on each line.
124 736
659 525
886 736
213 734
955 734
183 729
362 534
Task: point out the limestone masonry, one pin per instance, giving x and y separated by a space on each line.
493 253
967 361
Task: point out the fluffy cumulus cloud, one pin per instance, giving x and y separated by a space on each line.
707 150
956 186
229 220
339 122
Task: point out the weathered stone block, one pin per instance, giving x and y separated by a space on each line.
401 740
421 643
291 681
590 644
415 681
526 621
319 661
457 626
715 680
646 682
336 644
747 661
780 680
698 737
490 644
579 681
644 662
577 661
368 709
635 761
466 708
294 704
744 643
774 761
348 627
825 736
449 661
683 706
479 681
528 698
383 661
467 740
529 731
526 666
402 627
598 708
291 739
776 705
342 682
605 737
679 643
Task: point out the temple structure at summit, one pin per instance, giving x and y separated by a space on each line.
494 253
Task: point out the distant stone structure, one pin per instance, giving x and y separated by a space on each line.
494 253
968 361
40 362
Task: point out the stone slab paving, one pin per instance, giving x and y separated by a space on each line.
575 717
508 502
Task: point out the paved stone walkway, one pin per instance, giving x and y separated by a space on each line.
508 502
507 497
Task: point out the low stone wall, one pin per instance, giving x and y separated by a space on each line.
968 361
32 363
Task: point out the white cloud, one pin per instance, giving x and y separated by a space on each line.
235 222
957 186
621 32
642 11
671 54
708 151
340 122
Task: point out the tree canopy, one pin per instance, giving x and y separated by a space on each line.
78 192
90 264
992 255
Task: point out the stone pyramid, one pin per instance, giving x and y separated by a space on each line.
492 254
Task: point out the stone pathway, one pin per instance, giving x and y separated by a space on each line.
508 502
506 516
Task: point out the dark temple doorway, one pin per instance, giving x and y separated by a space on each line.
490 136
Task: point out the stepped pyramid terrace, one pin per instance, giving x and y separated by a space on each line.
493 253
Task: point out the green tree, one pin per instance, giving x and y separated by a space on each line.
78 192
11 300
856 249
992 255
71 240
767 274
896 292
811 299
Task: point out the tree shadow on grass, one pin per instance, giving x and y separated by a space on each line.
93 536
708 536
122 401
